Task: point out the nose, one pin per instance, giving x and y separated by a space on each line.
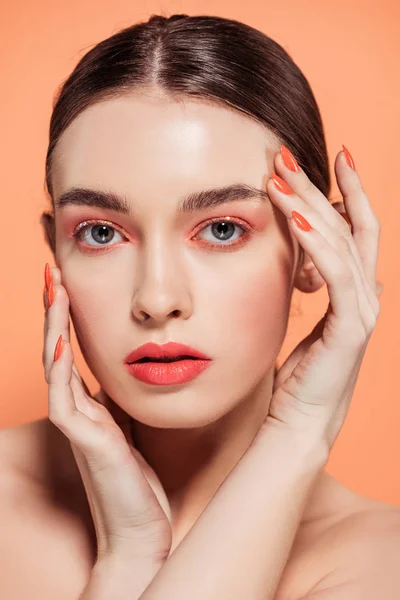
162 292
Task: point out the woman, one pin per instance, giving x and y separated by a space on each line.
188 177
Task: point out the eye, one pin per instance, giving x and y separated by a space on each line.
100 232
223 230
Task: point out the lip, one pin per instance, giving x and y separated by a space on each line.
168 374
153 350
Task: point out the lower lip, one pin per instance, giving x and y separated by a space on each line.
171 373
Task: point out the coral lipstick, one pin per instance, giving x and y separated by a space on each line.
169 364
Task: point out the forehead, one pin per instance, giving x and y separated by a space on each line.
137 139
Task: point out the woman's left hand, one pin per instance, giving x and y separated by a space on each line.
314 387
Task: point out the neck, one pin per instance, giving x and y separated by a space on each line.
191 464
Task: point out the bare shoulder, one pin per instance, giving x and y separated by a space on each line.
359 555
343 537
39 536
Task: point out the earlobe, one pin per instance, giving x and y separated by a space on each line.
48 223
307 278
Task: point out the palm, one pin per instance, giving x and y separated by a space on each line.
298 353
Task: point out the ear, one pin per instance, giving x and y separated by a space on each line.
307 278
49 227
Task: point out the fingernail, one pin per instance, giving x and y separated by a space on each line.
349 158
281 185
44 298
47 276
51 294
288 159
301 221
59 347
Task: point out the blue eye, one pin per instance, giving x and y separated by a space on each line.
102 233
222 230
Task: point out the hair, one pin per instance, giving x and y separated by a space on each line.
218 60
211 58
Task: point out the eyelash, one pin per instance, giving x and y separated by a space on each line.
248 232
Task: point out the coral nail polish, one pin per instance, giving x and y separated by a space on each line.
47 276
51 294
281 185
349 158
301 221
288 159
58 348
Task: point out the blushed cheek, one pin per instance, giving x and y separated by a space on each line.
262 312
91 313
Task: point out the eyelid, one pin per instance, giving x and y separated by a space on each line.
90 222
234 220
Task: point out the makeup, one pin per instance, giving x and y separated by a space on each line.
158 373
166 364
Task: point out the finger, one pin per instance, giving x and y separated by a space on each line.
80 379
119 415
65 395
297 354
329 221
366 227
56 322
288 201
341 209
339 278
120 496
64 325
55 278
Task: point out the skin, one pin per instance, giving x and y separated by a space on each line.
191 440
154 151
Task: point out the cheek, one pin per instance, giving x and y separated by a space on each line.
258 315
94 309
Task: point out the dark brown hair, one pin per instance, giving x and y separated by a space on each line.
212 58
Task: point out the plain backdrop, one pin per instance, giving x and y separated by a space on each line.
349 52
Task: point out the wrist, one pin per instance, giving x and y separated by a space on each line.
309 450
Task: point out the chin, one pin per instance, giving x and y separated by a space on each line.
176 409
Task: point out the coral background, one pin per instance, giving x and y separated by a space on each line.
348 51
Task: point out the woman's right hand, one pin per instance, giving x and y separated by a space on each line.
128 504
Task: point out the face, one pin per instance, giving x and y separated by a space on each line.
218 279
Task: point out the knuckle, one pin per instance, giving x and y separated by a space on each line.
375 224
370 225
370 324
56 416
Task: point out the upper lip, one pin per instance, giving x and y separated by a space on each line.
152 350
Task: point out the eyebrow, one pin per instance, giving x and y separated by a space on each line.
195 201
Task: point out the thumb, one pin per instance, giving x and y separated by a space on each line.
122 418
297 354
